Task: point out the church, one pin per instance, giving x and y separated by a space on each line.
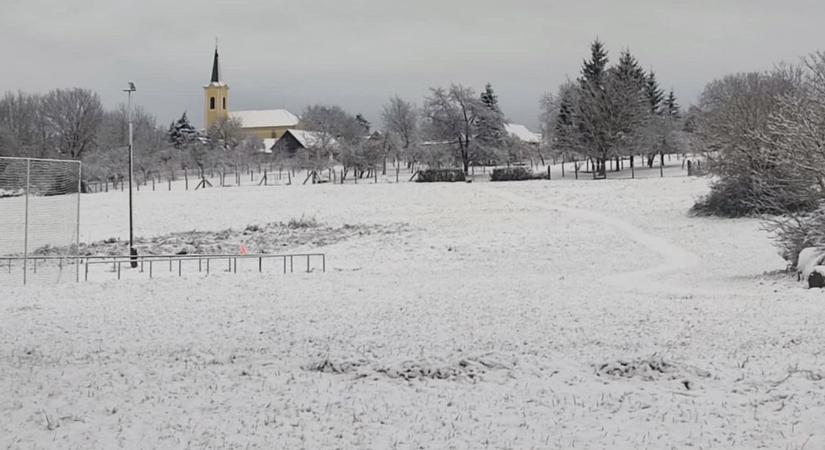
267 125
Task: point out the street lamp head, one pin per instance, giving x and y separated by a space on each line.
132 87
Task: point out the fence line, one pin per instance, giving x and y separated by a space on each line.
148 262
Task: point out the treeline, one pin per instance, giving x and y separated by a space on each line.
764 133
454 127
72 124
613 112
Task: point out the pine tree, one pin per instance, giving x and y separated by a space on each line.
628 69
181 133
490 125
594 69
671 108
365 124
654 94
489 98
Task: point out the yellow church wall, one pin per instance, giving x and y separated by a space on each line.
221 110
265 132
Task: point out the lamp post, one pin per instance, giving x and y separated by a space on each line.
132 250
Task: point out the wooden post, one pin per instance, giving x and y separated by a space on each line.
186 178
549 177
662 166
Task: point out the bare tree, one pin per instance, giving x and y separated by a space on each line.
72 117
23 130
452 116
401 129
336 132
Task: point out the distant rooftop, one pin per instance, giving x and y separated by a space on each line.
265 118
521 132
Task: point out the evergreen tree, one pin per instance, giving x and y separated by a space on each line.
365 124
628 69
671 108
654 94
181 133
593 70
489 98
563 127
491 133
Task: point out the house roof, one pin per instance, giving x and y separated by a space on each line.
311 138
265 118
521 132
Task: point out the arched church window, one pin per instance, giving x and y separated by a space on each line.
224 103
211 102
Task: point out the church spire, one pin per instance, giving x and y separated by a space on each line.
215 70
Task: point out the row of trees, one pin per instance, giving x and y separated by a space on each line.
764 133
612 112
72 124
455 126
609 112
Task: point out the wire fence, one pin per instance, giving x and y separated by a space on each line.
39 209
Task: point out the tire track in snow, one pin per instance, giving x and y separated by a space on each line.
675 257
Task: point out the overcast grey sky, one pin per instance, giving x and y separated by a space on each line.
358 53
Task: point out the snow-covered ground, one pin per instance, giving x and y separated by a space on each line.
504 315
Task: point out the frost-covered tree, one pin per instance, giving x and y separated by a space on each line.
735 113
401 128
181 133
492 135
365 124
795 139
654 93
671 107
452 117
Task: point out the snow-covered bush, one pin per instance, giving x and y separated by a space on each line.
794 233
511 174
440 175
734 119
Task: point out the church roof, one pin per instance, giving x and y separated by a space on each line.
521 132
265 118
216 76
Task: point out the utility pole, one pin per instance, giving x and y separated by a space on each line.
132 251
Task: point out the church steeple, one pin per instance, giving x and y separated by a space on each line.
216 78
215 95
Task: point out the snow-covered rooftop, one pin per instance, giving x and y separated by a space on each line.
268 143
312 138
521 132
265 118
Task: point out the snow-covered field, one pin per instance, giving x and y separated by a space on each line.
516 315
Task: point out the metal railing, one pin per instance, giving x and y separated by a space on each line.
148 263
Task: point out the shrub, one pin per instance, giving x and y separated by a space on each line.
440 175
745 196
512 174
303 222
796 232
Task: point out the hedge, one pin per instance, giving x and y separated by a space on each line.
512 174
440 175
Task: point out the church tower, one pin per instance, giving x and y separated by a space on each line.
215 97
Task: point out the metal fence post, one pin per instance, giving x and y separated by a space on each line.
77 231
26 223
